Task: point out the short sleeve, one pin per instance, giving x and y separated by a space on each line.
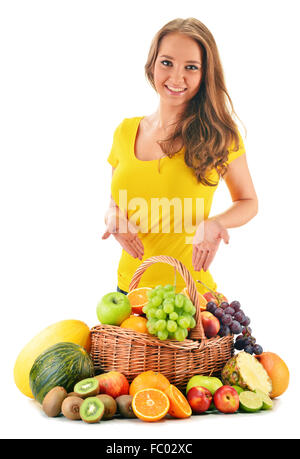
233 153
113 157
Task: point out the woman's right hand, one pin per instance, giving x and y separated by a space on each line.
124 232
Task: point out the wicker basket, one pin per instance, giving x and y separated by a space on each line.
131 353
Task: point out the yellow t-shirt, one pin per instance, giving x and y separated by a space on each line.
161 197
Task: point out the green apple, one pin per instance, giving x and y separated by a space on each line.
113 308
238 389
210 382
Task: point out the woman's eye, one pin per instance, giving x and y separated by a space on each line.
166 64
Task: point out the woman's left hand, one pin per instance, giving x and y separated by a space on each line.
206 242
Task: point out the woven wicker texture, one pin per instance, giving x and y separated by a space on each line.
131 353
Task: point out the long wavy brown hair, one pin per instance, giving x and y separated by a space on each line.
206 127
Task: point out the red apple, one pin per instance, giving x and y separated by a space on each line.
199 399
113 383
210 324
226 399
216 297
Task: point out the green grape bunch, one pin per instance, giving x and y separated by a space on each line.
169 314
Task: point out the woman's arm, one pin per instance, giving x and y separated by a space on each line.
244 207
112 210
244 200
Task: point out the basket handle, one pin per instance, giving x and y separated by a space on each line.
197 332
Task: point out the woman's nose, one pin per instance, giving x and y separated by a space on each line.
177 76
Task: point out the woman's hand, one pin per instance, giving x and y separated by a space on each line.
206 242
124 232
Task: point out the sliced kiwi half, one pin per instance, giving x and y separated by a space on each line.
92 410
71 407
87 388
250 402
266 401
53 401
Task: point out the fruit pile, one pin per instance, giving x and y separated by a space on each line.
159 312
149 397
245 386
163 313
87 403
56 369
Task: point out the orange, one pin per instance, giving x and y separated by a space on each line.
150 404
202 300
136 323
179 406
149 379
138 299
277 370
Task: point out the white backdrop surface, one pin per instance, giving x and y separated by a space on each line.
70 72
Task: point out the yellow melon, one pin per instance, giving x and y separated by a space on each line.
67 331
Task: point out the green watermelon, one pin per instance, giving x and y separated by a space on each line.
64 365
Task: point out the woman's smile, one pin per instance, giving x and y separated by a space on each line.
175 92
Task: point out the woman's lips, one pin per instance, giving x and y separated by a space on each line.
174 93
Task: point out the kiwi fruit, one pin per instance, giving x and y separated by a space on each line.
53 401
91 410
72 394
71 406
87 388
124 404
110 406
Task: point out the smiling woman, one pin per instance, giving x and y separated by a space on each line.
175 157
208 135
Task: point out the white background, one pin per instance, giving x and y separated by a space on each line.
70 72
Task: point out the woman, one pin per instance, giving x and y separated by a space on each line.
174 158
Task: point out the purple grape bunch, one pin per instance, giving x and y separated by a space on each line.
234 321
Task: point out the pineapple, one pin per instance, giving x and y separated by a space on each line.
247 372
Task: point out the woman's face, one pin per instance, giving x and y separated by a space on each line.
178 66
